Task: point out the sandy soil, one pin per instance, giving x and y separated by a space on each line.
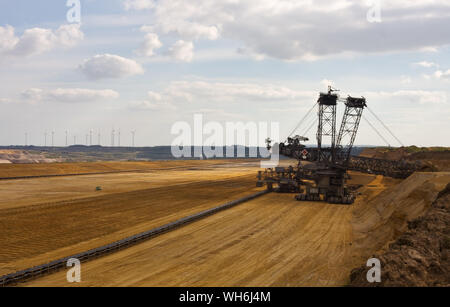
47 191
271 241
48 218
43 169
420 256
436 159
23 156
382 219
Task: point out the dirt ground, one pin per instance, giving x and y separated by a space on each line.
421 256
270 241
437 158
43 219
382 219
45 169
48 190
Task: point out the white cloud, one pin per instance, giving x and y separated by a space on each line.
190 30
138 4
154 96
196 31
38 40
69 35
151 42
67 95
182 51
442 74
155 101
32 94
406 80
413 97
250 53
211 92
8 39
305 29
151 105
326 83
426 64
110 66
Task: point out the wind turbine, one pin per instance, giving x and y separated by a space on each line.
67 133
45 139
133 134
113 135
90 137
119 138
53 138
26 138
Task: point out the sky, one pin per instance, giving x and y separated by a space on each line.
144 65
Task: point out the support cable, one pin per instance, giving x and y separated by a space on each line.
375 129
386 127
307 123
312 125
302 120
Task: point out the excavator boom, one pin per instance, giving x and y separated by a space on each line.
349 128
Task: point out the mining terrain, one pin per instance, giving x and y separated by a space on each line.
47 217
270 241
51 211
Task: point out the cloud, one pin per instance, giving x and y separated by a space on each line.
182 51
155 101
326 83
442 74
250 53
212 92
38 40
8 39
406 80
154 96
110 66
194 31
151 42
151 105
187 30
238 91
67 95
300 29
426 64
410 97
69 35
33 94
138 4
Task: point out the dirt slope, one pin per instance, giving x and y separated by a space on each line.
433 158
23 156
421 256
385 217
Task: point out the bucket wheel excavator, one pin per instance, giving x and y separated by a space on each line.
323 176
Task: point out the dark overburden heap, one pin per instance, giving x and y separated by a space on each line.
421 256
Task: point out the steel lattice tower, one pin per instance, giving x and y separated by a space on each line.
327 125
349 128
